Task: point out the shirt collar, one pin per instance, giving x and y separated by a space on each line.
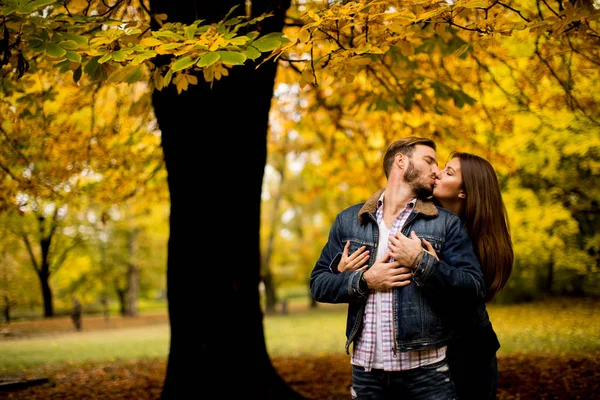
410 204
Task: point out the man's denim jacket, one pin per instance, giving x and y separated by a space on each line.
421 309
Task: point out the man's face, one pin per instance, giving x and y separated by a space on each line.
422 171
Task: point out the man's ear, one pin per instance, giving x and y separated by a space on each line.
400 160
462 194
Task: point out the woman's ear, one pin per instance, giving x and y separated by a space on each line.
462 194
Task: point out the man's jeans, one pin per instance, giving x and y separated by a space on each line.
430 382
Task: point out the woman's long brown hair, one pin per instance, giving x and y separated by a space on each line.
486 220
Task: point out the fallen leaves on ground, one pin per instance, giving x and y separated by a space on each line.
522 377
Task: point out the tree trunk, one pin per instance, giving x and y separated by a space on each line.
133 276
549 276
270 292
214 143
267 274
6 309
121 295
44 275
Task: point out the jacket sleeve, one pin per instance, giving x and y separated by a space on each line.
327 285
458 273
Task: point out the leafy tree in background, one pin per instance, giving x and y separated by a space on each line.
65 146
212 297
429 60
507 81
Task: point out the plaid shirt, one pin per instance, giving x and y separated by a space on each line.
378 313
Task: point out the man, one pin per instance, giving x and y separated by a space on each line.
398 303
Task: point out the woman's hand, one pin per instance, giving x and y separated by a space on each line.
356 261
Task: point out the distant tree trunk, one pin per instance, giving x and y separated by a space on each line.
214 142
42 268
6 309
76 314
44 275
270 293
105 309
549 276
133 277
121 294
267 274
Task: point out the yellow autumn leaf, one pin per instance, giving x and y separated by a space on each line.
472 3
181 82
363 49
430 14
406 48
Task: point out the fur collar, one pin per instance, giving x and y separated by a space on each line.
425 207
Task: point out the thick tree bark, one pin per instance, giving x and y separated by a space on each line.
214 142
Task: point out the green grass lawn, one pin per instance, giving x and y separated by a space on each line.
557 326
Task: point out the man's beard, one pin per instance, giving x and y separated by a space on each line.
411 176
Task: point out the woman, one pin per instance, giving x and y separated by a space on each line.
468 186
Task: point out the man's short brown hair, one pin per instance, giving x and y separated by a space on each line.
405 146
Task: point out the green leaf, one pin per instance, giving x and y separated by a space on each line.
82 40
106 57
266 45
138 59
182 63
73 56
57 37
77 74
252 35
252 53
32 6
118 75
68 44
128 74
91 66
171 46
54 50
189 31
134 75
208 59
232 21
232 57
239 41
168 77
42 3
37 45
119 56
63 66
6 11
269 42
168 34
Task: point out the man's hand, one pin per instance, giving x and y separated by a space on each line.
405 250
384 275
355 261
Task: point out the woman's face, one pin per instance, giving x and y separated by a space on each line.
449 187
